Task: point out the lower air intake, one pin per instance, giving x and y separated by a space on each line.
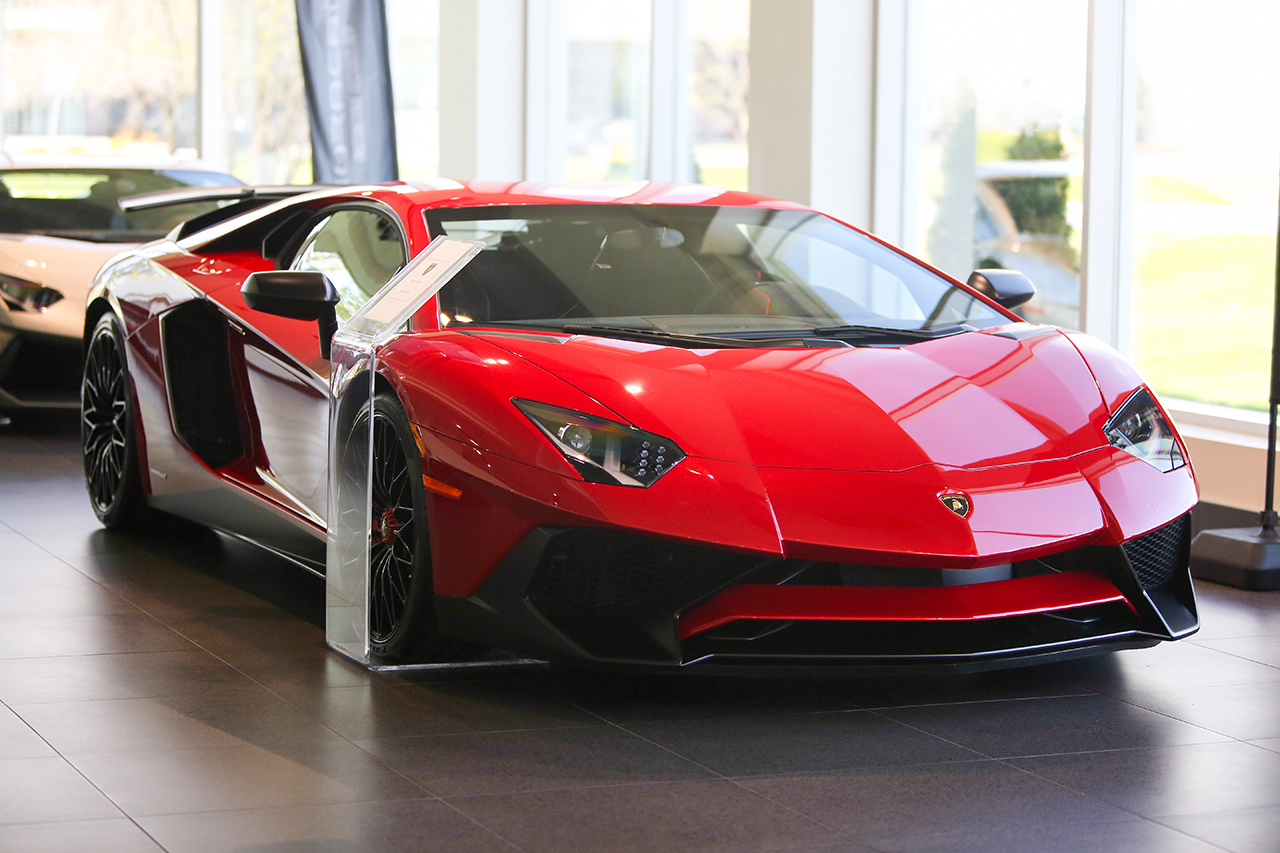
1156 556
585 570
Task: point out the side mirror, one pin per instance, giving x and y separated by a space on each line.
1009 288
297 294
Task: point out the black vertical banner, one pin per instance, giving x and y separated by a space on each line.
348 79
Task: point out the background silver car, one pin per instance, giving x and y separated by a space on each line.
60 219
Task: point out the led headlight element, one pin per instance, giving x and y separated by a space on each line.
22 295
1140 429
604 451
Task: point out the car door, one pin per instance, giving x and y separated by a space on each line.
359 248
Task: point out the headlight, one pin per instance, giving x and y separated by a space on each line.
22 295
604 451
1139 428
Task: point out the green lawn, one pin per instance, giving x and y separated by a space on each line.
1202 317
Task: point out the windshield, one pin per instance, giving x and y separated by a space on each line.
690 270
83 203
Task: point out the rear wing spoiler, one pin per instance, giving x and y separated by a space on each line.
189 195
240 199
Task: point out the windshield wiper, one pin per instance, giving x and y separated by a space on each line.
859 331
847 334
631 333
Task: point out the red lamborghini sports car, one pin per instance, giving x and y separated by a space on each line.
651 425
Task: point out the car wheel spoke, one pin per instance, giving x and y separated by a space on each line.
390 562
104 418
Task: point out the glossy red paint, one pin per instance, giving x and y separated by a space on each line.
882 409
822 454
995 600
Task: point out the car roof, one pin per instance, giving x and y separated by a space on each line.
443 193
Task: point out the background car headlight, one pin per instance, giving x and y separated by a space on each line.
22 295
1140 429
604 451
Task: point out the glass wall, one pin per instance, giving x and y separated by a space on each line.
265 130
1204 215
413 36
100 77
607 121
1001 152
718 84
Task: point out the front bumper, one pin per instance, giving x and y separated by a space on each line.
605 598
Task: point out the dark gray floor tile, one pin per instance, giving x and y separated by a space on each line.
53 636
501 762
69 536
905 690
15 546
193 601
881 803
1272 743
399 826
1227 612
1166 666
244 777
687 817
227 717
251 637
40 573
1245 831
1135 836
18 740
362 713
99 836
1174 780
798 743
45 790
623 698
1263 649
54 601
1051 726
839 847
306 680
1243 711
26 681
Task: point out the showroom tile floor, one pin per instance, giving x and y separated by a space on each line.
176 694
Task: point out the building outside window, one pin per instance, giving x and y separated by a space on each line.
1204 213
413 36
607 120
100 77
265 129
718 84
1002 92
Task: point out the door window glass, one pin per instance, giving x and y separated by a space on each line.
358 250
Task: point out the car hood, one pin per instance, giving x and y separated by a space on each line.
971 401
65 265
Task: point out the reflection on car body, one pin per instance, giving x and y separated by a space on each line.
648 425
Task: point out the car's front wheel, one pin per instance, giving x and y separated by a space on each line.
402 623
107 432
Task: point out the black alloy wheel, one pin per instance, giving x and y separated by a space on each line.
393 536
107 432
402 625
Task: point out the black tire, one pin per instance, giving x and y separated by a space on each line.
402 621
108 433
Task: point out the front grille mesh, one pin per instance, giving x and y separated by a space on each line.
585 570
1156 556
